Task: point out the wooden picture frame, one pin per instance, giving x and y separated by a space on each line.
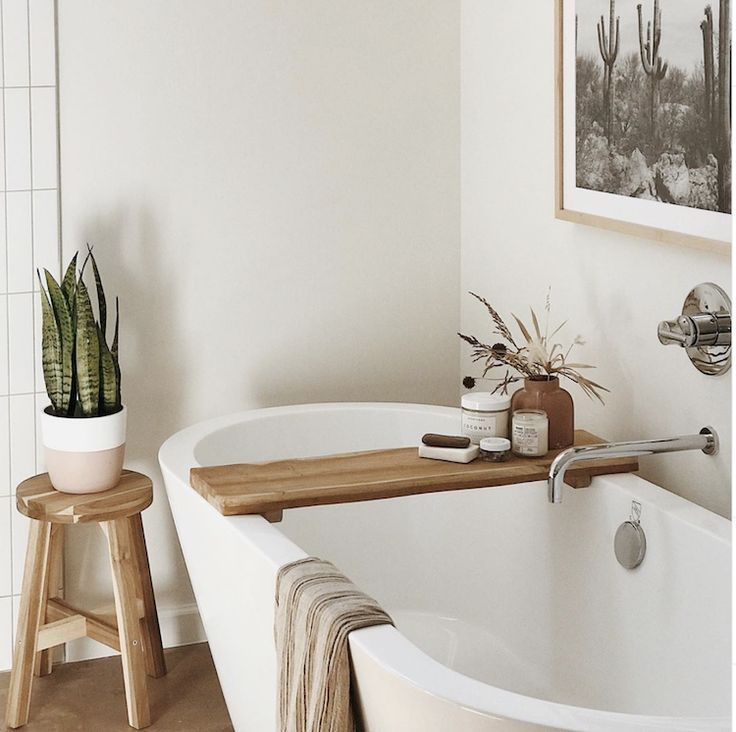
567 213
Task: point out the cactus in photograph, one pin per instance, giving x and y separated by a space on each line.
81 372
710 105
608 44
717 96
651 61
724 107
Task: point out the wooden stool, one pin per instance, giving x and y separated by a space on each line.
45 620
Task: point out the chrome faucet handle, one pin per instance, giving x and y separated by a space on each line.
693 331
676 332
703 329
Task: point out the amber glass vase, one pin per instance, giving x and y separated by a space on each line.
545 393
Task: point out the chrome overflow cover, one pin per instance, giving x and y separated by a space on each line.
630 543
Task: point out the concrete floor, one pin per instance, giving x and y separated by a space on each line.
88 696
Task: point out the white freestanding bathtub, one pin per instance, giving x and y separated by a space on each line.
511 613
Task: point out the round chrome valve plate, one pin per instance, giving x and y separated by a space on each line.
708 298
630 545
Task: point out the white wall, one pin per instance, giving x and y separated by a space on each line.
614 288
29 238
273 191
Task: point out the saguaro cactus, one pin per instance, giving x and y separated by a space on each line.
717 96
724 106
709 70
609 45
652 62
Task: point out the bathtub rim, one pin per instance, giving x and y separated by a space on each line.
391 650
182 444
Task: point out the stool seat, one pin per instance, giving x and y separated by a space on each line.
46 620
39 500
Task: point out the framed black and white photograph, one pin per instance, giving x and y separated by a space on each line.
644 118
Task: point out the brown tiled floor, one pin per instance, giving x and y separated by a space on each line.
88 696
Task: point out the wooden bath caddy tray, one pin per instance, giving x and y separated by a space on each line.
268 488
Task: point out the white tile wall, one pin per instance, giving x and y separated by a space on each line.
20 342
5 489
37 355
22 438
19 228
17 139
15 42
19 529
4 359
42 401
2 134
29 238
43 137
3 229
6 574
6 631
46 230
43 47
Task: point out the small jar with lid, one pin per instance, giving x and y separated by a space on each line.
485 415
529 433
495 449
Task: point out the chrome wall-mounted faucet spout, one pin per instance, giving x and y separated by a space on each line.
706 440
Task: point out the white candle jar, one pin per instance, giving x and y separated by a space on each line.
529 433
485 415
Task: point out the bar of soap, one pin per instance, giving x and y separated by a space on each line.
434 440
450 454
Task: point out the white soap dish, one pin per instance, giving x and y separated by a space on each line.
450 454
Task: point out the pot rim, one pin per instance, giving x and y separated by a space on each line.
46 411
83 434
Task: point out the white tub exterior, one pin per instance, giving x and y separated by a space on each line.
511 613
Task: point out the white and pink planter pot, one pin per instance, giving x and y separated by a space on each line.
84 454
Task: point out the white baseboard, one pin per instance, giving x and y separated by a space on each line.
180 626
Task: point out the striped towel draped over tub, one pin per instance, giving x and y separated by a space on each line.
316 608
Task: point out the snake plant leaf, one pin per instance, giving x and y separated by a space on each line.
87 355
74 409
69 283
101 302
66 334
51 354
114 349
84 264
109 377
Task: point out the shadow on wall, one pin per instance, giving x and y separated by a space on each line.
195 344
131 261
356 339
313 385
154 375
318 349
367 365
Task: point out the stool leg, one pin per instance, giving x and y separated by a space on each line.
124 569
155 663
54 581
30 617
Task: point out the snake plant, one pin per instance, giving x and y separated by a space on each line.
81 372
